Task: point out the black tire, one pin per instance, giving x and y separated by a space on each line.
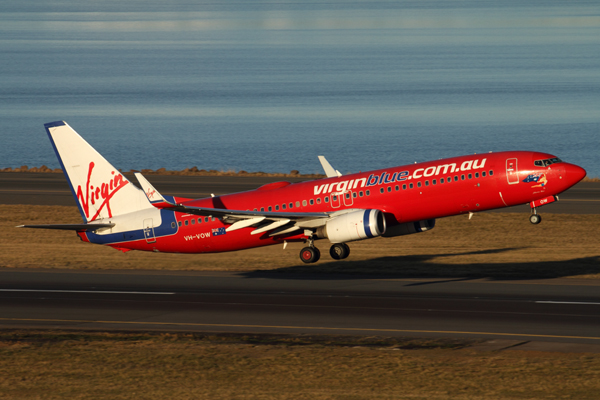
535 219
339 251
309 255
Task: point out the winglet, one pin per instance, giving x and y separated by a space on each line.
329 170
153 196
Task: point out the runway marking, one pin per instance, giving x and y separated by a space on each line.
80 291
567 302
324 328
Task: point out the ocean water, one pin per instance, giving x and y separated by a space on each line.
269 86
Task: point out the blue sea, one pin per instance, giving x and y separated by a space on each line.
268 86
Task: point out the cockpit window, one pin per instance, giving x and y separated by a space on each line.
545 163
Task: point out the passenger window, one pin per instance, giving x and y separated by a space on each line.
426 183
193 222
361 193
441 180
491 172
389 189
291 205
318 200
470 176
483 174
476 174
411 186
397 188
326 199
213 219
381 190
206 219
456 178
173 225
334 198
277 207
283 206
303 203
462 177
179 223
347 195
404 187
368 192
270 208
312 202
199 220
186 222
354 195
419 184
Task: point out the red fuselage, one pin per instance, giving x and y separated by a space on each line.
409 193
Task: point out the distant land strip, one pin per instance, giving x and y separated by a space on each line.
200 172
186 171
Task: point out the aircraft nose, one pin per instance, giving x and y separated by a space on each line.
574 173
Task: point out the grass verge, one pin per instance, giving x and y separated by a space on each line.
82 365
490 245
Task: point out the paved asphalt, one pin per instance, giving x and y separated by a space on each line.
553 310
556 310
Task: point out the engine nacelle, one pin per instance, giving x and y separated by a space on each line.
409 228
356 225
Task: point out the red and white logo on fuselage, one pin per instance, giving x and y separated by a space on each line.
100 192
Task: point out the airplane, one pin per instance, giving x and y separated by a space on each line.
388 202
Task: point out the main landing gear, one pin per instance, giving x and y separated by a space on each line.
311 254
339 251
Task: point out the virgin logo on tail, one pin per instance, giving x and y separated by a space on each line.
103 192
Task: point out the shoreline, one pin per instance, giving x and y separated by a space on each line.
194 171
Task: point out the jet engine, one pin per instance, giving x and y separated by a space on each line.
356 225
409 228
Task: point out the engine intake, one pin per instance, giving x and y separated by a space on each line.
356 225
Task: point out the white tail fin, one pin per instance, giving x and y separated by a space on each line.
100 190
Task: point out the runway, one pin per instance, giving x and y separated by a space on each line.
553 310
52 189
556 310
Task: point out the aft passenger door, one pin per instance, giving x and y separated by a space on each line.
149 231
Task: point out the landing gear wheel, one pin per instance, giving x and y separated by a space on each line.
339 251
310 255
535 219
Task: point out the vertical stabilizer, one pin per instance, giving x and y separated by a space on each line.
100 190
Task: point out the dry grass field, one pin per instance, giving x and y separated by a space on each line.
87 365
492 245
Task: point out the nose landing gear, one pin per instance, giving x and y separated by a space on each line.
535 218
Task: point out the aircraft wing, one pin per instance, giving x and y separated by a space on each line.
278 222
70 227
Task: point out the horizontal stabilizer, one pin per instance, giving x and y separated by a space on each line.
153 196
71 227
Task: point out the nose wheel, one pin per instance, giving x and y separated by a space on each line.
535 218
